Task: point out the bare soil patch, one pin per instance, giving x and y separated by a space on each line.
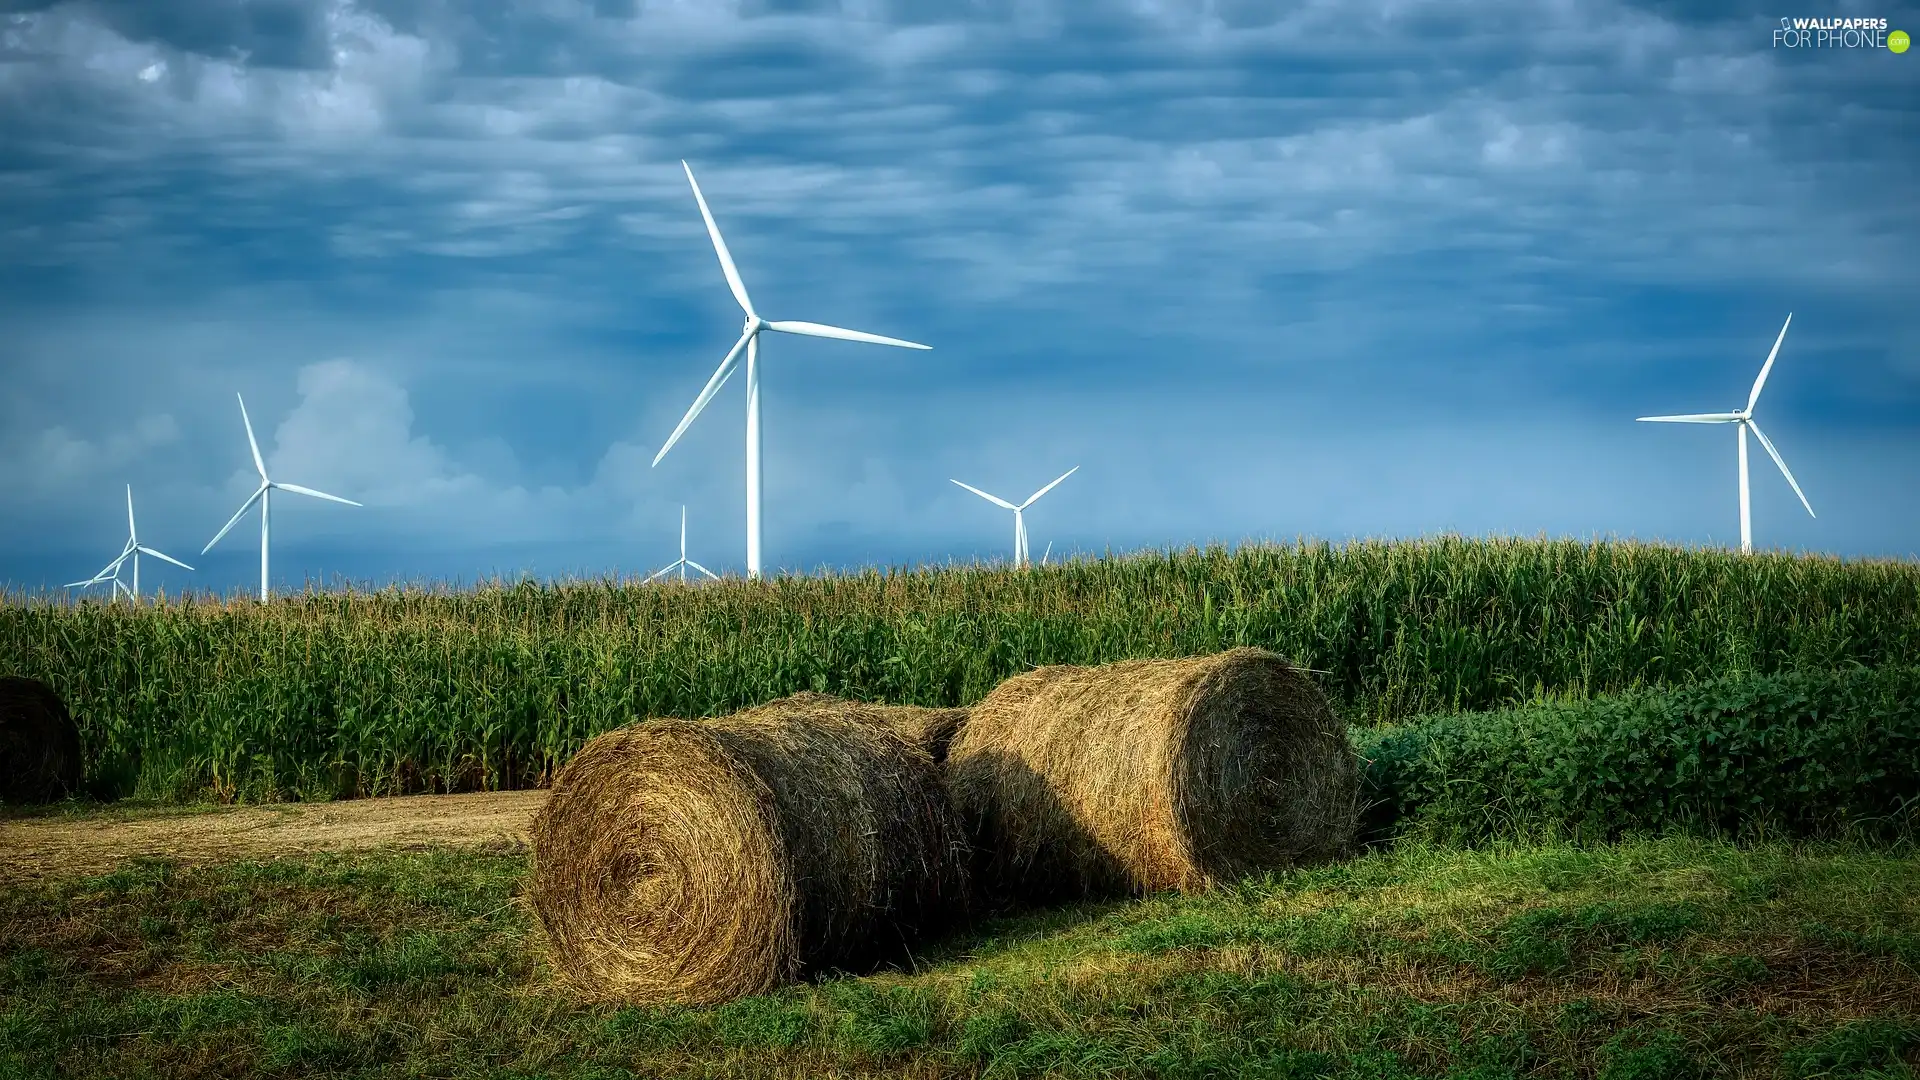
54 847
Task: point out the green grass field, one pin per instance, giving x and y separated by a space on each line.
1648 959
331 695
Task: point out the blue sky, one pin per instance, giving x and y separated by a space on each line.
1359 269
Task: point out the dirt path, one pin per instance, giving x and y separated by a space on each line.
47 847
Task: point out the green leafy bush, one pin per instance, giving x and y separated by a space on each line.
1796 753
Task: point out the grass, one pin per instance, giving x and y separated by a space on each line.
81 807
336 694
1649 959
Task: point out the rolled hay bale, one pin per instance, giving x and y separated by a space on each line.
39 744
692 862
1147 775
930 729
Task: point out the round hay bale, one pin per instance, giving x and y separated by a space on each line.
930 729
692 862
1147 775
39 744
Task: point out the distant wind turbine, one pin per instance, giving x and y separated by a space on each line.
1744 420
750 341
133 550
684 561
1019 521
261 495
104 576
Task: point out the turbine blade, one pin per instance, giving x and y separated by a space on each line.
130 530
298 490
1049 487
814 329
105 572
98 577
720 246
720 376
110 570
994 499
658 572
1692 418
163 555
235 519
251 443
703 570
1782 462
1754 397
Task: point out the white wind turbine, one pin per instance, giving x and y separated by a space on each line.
1744 420
1019 521
262 494
684 561
750 341
133 550
112 574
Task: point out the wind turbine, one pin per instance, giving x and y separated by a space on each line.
750 341
111 573
133 550
262 494
684 561
1019 521
1744 420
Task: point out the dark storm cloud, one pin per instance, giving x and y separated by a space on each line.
265 33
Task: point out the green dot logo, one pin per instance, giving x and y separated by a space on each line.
1898 41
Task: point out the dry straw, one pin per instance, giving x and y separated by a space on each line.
932 730
692 862
1148 775
39 744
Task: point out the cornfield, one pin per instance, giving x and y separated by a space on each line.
332 694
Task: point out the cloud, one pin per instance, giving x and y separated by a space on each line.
56 457
266 33
524 131
448 253
353 433
353 429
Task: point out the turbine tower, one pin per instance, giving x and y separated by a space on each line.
750 342
1743 420
133 550
1019 520
684 561
261 494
